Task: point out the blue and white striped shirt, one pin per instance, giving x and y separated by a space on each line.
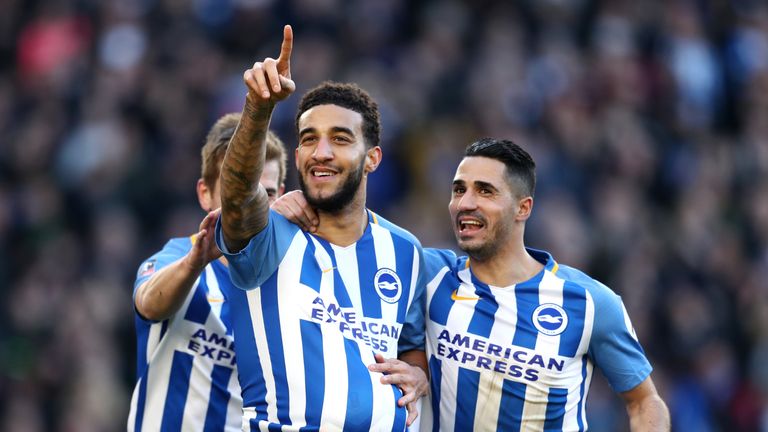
521 357
310 319
186 372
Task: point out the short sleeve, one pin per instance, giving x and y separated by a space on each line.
614 346
170 253
253 265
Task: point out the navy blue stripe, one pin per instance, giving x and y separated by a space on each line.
527 299
575 305
142 339
359 392
436 376
555 409
271 313
398 425
466 396
404 258
142 400
314 371
441 303
163 329
311 273
178 387
511 406
483 316
251 375
339 289
367 268
199 308
582 393
216 417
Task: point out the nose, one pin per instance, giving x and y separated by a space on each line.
467 201
323 150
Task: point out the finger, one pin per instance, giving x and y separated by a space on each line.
284 61
413 413
270 68
407 399
287 85
260 82
299 216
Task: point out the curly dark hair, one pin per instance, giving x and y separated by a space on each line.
349 96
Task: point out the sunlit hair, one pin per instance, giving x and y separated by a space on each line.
521 169
216 144
349 96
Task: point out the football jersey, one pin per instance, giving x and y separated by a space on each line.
521 357
310 318
186 372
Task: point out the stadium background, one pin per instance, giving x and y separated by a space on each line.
648 121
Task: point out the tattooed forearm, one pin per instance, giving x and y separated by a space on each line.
244 202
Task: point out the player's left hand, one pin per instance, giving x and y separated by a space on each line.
204 250
410 379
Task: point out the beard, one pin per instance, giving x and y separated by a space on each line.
341 197
484 250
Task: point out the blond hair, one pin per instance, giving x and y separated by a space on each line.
216 144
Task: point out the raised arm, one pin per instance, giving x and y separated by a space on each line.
244 202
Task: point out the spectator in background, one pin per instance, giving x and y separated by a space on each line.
186 370
98 149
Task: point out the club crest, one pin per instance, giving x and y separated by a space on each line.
550 319
388 285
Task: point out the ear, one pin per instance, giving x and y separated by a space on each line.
525 207
204 196
296 156
372 159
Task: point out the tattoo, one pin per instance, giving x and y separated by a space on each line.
244 202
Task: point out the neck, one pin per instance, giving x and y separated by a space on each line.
507 267
345 227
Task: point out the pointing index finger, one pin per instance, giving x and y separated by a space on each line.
284 61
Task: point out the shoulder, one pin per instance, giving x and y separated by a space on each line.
601 294
395 230
442 261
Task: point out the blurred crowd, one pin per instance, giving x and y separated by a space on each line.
648 121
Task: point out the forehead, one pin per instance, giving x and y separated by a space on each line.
271 174
325 117
482 169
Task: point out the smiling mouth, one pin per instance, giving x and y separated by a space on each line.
322 173
470 225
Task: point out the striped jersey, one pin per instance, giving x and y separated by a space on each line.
186 372
521 357
310 318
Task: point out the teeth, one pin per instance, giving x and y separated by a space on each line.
464 224
323 174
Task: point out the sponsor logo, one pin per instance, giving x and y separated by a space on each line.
456 297
550 319
388 285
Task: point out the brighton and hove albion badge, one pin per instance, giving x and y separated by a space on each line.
388 285
550 319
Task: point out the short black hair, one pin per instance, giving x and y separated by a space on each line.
520 164
349 96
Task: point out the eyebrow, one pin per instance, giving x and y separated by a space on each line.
334 129
478 184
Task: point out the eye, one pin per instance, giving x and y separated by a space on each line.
308 140
342 139
458 190
485 191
